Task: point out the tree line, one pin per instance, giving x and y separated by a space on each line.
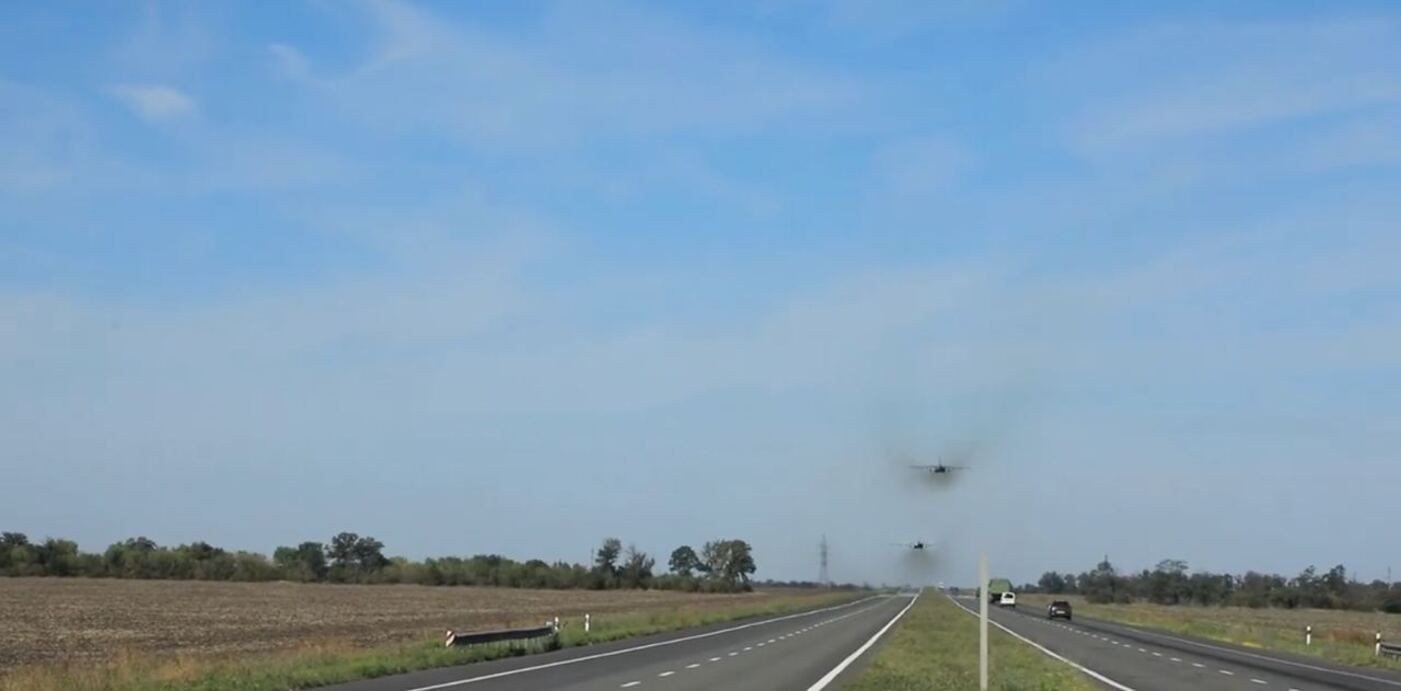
1171 582
719 566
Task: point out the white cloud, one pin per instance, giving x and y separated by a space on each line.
290 62
1170 83
153 102
582 74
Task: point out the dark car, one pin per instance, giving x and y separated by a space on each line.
1059 609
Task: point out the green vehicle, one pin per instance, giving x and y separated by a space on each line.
996 587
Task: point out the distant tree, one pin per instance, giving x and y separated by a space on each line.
132 558
1392 602
56 557
305 562
341 551
683 561
14 552
1102 584
353 557
1167 583
203 551
728 563
1052 582
1335 581
606 560
637 569
369 554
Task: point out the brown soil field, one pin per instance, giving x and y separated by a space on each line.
67 620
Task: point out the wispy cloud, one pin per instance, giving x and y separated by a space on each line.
153 102
289 61
581 74
1161 85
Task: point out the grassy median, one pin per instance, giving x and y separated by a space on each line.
1340 636
310 666
935 648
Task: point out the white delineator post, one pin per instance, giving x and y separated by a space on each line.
1378 652
586 623
983 622
1308 635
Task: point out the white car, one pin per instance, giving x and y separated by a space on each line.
1007 600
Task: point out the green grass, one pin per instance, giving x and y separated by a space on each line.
1340 636
935 648
313 666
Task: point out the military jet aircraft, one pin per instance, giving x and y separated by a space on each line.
939 468
920 544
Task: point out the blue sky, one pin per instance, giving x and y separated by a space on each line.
514 277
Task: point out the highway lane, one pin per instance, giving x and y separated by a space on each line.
1146 660
789 653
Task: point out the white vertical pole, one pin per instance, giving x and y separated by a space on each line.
983 622
1308 635
586 623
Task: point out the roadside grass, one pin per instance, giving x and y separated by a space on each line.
935 648
310 666
1340 636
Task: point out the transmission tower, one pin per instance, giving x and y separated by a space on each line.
822 555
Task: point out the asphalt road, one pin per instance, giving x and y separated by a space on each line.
792 652
1138 659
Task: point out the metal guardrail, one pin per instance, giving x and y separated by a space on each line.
476 637
1388 649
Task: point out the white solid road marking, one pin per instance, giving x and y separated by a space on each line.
647 646
666 673
829 676
1242 653
1086 670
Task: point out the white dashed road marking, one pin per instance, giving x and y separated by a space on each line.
693 665
1227 672
630 684
666 673
1258 681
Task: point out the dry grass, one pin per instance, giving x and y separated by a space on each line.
1337 635
83 621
